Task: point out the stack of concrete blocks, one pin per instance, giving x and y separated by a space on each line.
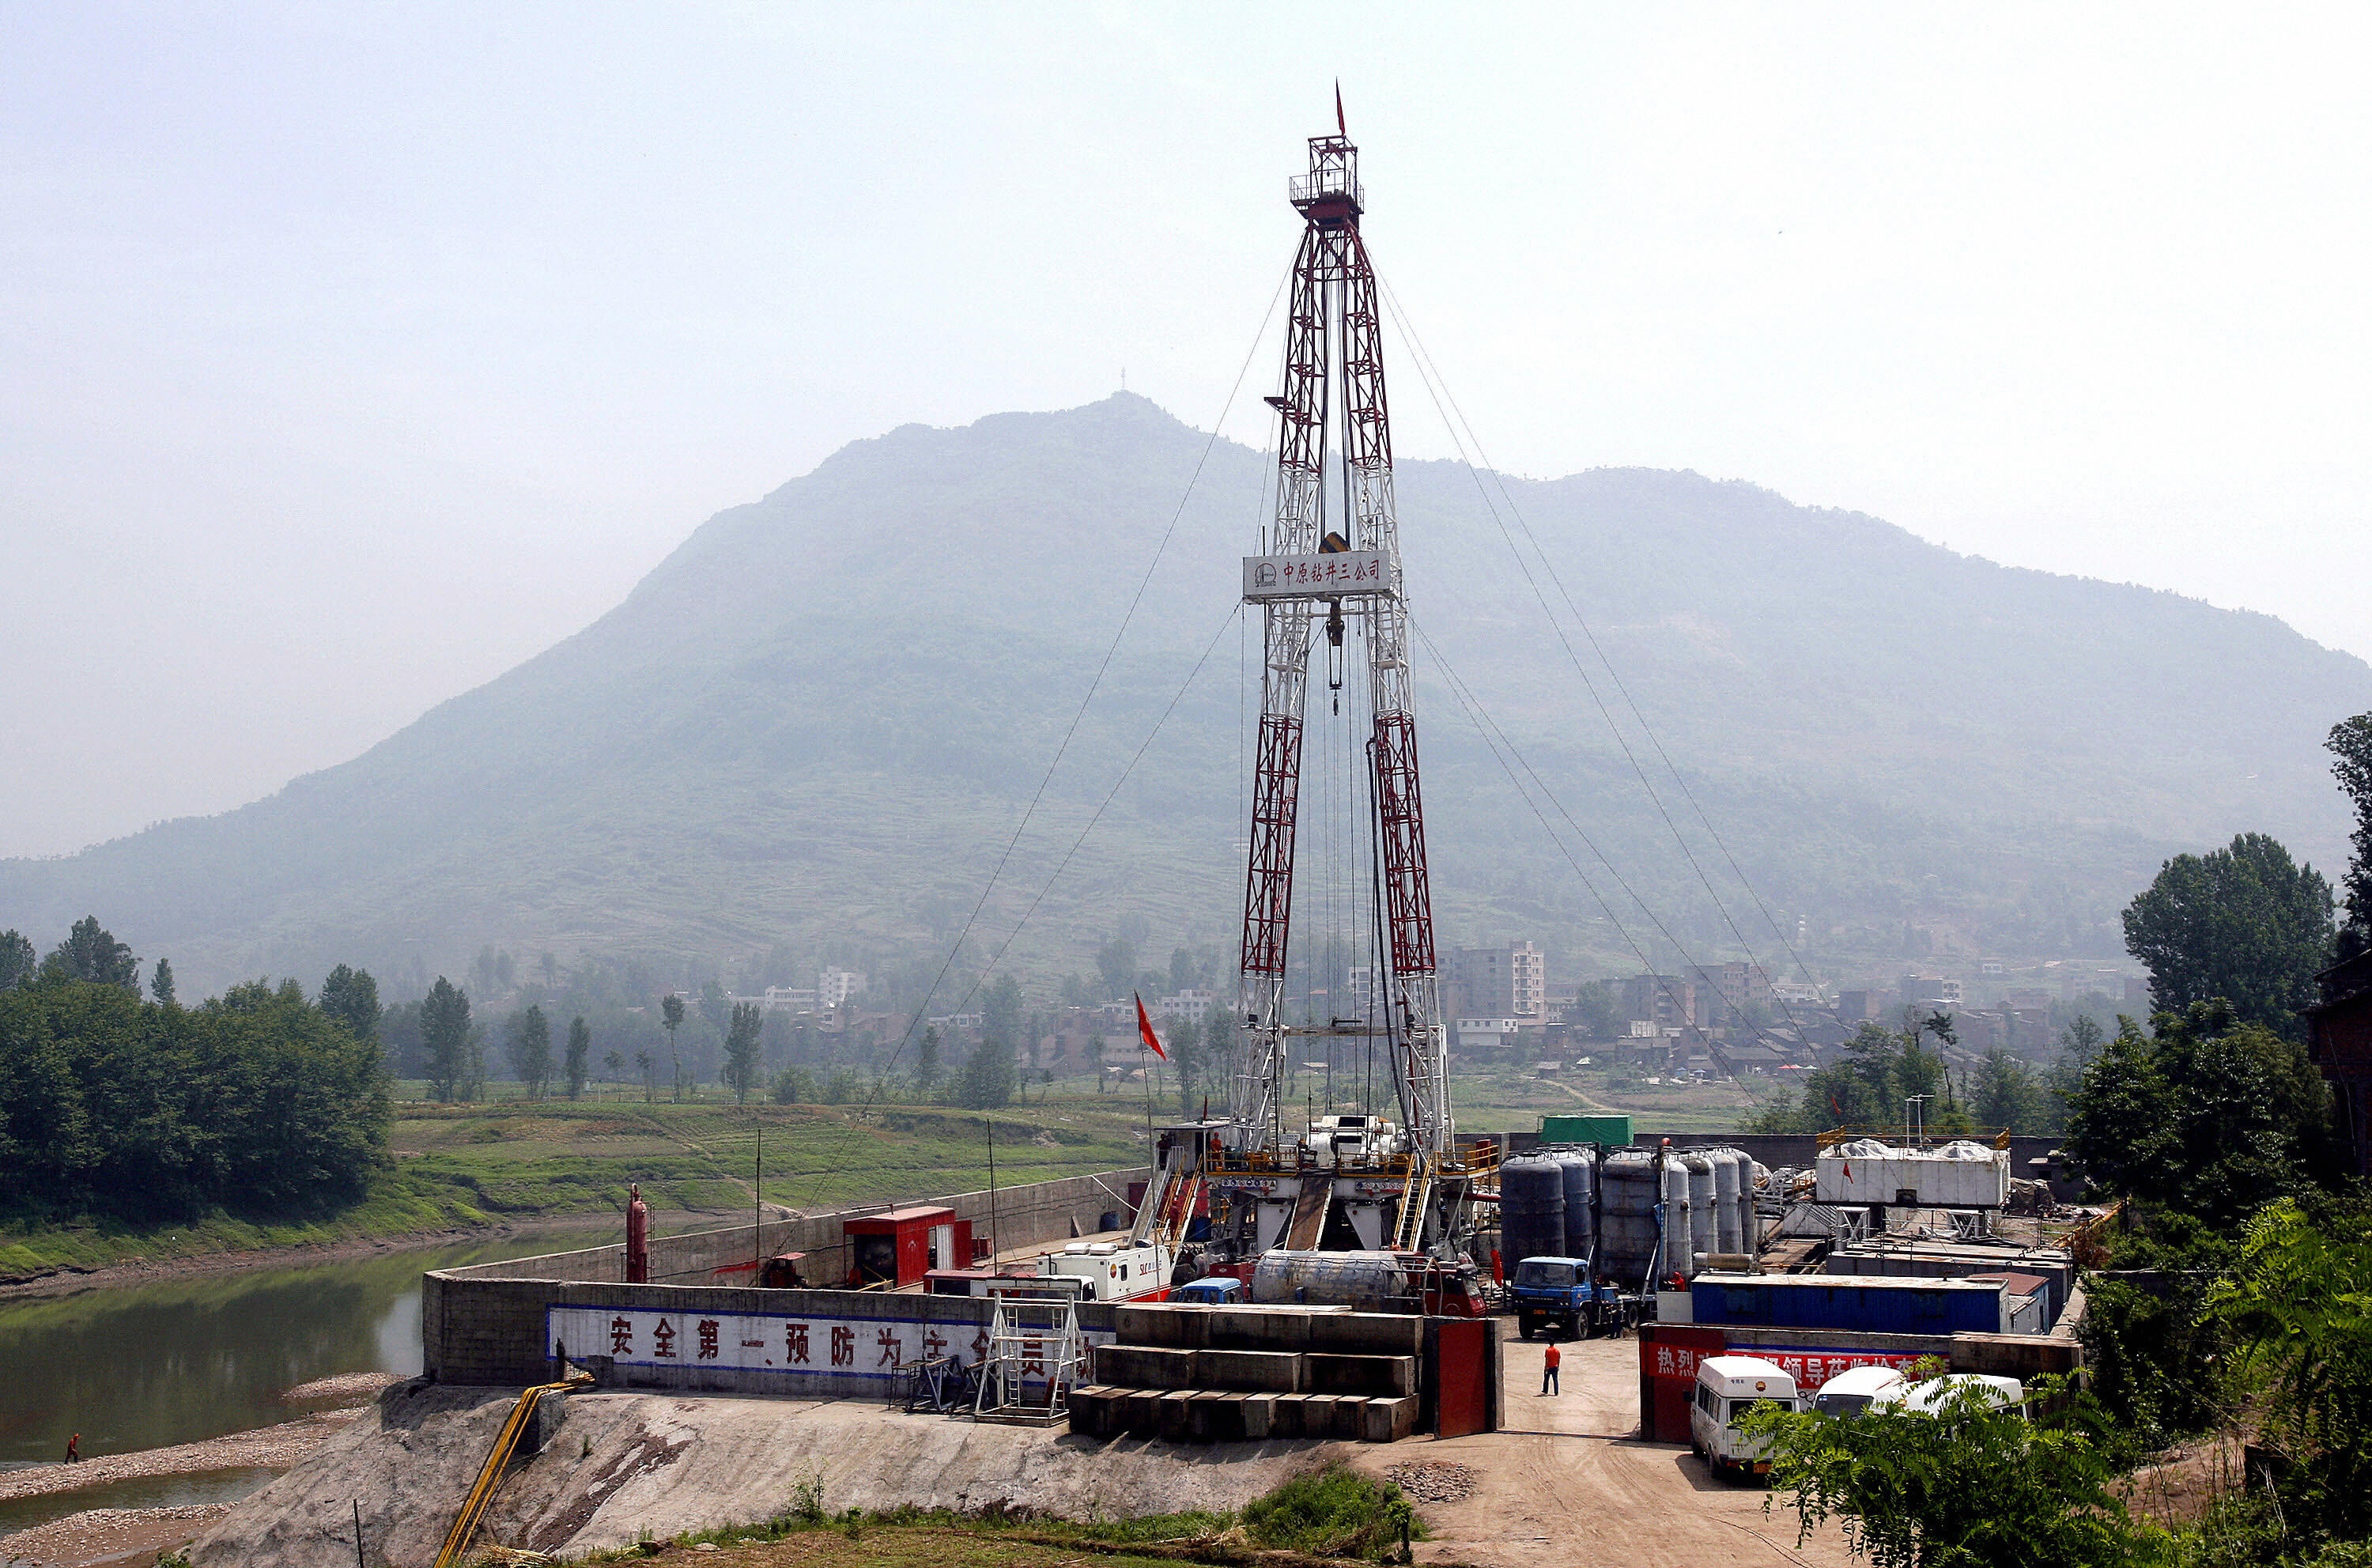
1245 1373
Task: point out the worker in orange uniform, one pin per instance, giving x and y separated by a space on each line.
1549 1370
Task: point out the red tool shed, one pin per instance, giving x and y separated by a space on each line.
898 1248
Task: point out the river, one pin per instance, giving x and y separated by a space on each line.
177 1361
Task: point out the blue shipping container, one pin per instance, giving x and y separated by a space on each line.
1860 1303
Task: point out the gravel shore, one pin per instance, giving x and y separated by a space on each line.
267 1448
127 1535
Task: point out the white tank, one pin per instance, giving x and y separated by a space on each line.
1679 1236
1627 1216
1728 1235
1703 1208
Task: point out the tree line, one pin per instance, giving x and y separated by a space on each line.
117 1105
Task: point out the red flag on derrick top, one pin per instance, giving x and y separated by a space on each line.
1340 128
1144 1034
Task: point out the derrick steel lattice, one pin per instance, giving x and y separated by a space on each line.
1332 391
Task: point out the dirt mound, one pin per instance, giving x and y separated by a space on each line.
615 1466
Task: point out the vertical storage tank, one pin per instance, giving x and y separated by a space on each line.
1747 1223
1678 1236
1531 1209
1626 1205
1580 1172
1728 1235
1704 1209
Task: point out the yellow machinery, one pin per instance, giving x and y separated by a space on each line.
489 1478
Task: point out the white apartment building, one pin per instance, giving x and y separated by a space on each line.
836 986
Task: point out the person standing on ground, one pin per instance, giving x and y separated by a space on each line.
1549 1371
74 1449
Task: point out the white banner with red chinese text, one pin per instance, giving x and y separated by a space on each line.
794 1346
1345 573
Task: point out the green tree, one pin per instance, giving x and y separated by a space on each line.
926 1062
2246 923
526 1045
715 1006
795 1086
445 1039
581 1047
2007 1094
1596 1012
2350 742
1116 965
986 1081
351 996
644 1064
672 1015
2301 1304
2211 1117
1189 1061
614 1063
91 952
1096 1055
745 1030
161 983
17 961
1970 1484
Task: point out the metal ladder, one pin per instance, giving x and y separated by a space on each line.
1027 1341
1408 1227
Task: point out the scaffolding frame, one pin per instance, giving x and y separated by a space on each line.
1030 1340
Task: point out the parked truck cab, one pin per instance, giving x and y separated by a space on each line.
1727 1386
1557 1294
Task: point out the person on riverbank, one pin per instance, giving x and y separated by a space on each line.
74 1449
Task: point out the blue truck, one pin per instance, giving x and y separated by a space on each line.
1558 1294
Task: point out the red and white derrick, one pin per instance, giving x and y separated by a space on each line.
1331 563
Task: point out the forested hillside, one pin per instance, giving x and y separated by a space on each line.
815 724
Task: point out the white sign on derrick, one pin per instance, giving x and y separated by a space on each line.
1346 574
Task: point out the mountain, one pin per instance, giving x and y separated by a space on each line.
816 724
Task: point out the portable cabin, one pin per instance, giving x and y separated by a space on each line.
1853 1303
897 1249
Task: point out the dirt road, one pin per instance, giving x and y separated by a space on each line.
1565 1482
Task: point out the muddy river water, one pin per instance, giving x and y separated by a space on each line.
177 1360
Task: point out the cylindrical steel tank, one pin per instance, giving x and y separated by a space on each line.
1678 1239
1627 1213
1364 1281
1531 1209
1701 1204
1580 1171
1728 1235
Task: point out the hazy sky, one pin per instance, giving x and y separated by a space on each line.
349 356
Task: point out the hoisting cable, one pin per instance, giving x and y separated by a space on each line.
1489 727
955 949
1427 375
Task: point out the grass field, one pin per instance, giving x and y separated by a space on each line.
509 1159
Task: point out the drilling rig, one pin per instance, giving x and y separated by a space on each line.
1327 582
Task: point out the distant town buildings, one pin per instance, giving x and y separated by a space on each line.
836 986
1489 982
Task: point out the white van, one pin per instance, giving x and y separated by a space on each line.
1727 1386
1850 1393
1928 1396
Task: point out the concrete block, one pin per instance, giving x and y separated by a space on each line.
1285 1414
1170 1413
1367 1333
1374 1376
1143 1367
1388 1421
1141 1412
1257 1328
1169 1328
1206 1417
1090 1411
1260 1417
1251 1371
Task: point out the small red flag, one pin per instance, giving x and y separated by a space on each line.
1144 1034
1340 129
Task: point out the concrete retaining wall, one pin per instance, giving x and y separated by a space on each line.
1030 1215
